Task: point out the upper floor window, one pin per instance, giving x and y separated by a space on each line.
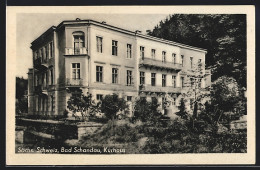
129 51
75 70
46 52
142 52
79 42
114 47
35 55
51 81
174 81
174 58
191 62
129 78
153 53
50 49
164 80
142 77
115 75
99 44
153 79
99 73
163 56
41 54
182 60
182 82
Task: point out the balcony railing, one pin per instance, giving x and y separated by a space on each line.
160 64
74 82
40 89
168 89
40 63
76 51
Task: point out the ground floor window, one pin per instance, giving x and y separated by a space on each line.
99 97
129 98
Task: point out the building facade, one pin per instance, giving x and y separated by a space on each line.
102 59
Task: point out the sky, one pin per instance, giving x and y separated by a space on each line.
32 25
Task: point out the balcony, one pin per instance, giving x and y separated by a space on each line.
160 64
40 89
74 82
159 89
75 51
40 64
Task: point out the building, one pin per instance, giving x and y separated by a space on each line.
102 59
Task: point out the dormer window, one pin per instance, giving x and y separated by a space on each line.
79 42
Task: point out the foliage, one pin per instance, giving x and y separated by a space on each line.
182 110
111 104
21 105
78 102
146 111
224 37
225 93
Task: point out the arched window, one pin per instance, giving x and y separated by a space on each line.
79 41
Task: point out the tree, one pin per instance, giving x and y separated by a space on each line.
78 102
146 111
225 93
21 105
111 104
194 92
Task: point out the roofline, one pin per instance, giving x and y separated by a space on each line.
49 30
104 25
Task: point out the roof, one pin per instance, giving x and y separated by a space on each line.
136 33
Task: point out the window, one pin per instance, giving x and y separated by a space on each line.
142 77
99 73
174 101
153 79
142 52
36 54
182 60
129 98
51 50
52 103
153 53
174 58
51 82
182 82
164 80
191 82
129 51
46 52
78 42
41 54
191 60
99 97
174 81
199 82
75 70
129 77
114 47
163 56
39 103
99 44
114 75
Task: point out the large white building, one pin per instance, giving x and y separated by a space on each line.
102 59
